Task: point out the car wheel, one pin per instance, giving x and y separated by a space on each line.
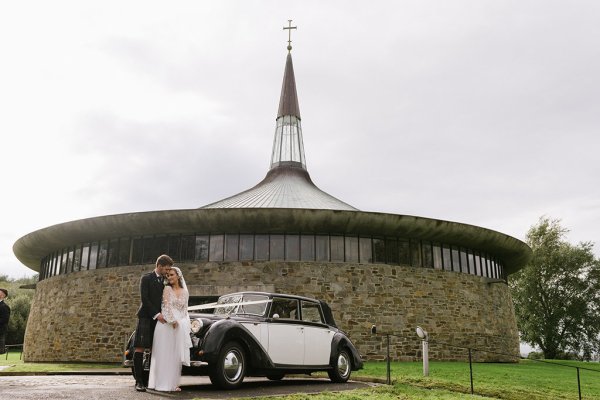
230 367
342 368
275 376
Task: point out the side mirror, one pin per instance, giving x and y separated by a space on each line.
374 329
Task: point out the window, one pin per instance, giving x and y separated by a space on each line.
175 247
322 247
391 251
113 253
77 259
148 257
246 247
437 256
161 246
464 264
124 248
216 248
415 253
276 248
477 264
427 251
261 247
455 259
137 250
93 255
85 257
307 248
311 312
403 252
378 251
351 249
337 248
365 249
447 257
188 247
284 308
201 248
292 247
471 262
231 247
70 260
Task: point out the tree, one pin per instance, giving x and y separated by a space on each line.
557 295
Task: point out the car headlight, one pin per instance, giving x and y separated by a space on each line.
196 325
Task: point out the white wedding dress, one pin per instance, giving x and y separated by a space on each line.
171 346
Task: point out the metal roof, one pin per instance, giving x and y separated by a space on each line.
284 187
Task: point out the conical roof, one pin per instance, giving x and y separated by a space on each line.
288 183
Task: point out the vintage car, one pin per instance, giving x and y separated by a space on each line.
265 334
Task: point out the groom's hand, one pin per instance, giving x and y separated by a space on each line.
161 319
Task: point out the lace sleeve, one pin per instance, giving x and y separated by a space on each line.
167 305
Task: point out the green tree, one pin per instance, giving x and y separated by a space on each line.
557 295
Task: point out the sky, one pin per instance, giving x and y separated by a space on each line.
480 112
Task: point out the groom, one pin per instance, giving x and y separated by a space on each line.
151 288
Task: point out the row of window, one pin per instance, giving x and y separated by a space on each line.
273 247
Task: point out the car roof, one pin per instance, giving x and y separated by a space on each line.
327 313
271 294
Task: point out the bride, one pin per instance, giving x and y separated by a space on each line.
172 341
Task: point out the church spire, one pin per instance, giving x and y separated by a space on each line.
288 146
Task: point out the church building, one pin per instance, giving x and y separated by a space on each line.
282 235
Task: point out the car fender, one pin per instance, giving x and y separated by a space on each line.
340 341
227 330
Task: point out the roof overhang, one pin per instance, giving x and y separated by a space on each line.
31 248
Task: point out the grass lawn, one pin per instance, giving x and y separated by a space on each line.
526 380
15 364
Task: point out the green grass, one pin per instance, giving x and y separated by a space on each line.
16 365
528 380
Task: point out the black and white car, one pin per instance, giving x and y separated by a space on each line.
265 334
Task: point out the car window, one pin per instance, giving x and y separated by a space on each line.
257 306
284 308
311 312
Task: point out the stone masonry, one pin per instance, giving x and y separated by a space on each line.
88 316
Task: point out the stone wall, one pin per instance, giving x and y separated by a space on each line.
88 316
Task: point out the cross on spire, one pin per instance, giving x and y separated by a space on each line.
289 29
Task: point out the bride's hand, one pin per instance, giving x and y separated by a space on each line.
175 325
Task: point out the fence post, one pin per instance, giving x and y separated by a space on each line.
471 370
389 378
578 383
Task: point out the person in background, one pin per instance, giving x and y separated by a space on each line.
4 317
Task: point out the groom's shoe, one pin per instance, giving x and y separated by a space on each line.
140 387
138 371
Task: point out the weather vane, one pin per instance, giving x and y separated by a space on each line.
289 28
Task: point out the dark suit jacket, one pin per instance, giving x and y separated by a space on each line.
4 316
151 291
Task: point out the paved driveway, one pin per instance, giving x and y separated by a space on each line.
100 387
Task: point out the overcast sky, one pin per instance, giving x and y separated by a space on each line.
481 112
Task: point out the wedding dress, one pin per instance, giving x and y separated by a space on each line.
171 346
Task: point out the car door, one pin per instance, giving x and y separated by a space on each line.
317 335
286 332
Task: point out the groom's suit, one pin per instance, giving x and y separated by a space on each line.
151 288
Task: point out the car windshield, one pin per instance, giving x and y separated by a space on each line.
254 304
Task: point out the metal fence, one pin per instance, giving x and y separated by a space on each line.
426 341
9 346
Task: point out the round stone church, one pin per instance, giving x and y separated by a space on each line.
282 235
